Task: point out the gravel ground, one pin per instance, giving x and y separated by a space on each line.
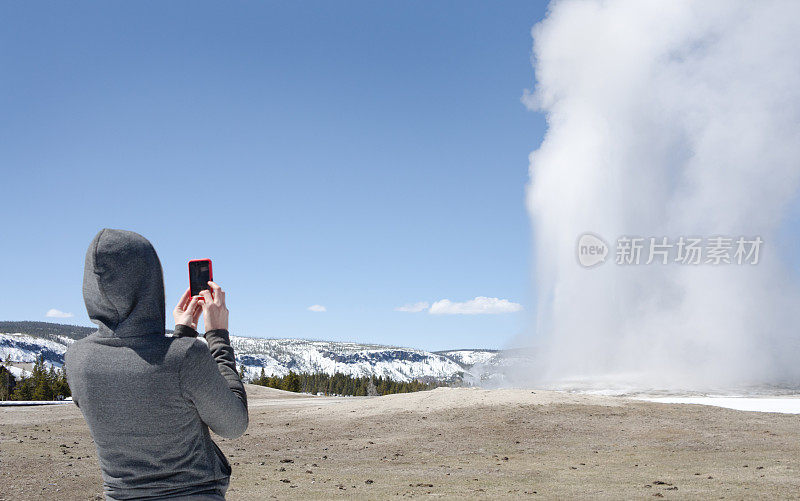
447 443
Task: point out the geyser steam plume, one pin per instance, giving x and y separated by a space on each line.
666 119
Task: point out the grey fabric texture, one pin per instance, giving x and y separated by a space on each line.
150 399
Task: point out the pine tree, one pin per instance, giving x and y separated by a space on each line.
372 390
23 391
340 384
7 384
41 389
62 386
42 384
291 382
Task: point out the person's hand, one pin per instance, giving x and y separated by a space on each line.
215 313
188 310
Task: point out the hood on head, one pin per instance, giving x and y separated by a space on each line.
123 285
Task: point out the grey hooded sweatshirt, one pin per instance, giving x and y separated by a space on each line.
150 399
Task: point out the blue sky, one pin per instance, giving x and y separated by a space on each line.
355 155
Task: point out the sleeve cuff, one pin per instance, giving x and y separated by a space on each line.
184 331
221 333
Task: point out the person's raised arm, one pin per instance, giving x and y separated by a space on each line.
208 374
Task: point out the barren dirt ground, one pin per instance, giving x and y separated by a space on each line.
447 443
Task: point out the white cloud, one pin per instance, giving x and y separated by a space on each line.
317 308
413 307
54 313
479 306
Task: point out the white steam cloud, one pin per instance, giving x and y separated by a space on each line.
666 119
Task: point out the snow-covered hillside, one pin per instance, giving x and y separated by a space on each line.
25 348
506 368
470 357
279 356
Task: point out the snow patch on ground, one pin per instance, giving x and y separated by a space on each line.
785 405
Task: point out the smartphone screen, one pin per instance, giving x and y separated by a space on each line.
199 275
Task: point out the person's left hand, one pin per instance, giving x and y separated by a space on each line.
187 311
215 313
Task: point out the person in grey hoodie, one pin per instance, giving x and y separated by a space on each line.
149 399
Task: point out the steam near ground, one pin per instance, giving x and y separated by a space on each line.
665 119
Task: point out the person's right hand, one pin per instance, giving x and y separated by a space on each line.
215 313
187 311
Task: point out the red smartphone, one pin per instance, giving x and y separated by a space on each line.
199 275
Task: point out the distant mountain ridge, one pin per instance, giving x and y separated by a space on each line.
25 341
46 330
